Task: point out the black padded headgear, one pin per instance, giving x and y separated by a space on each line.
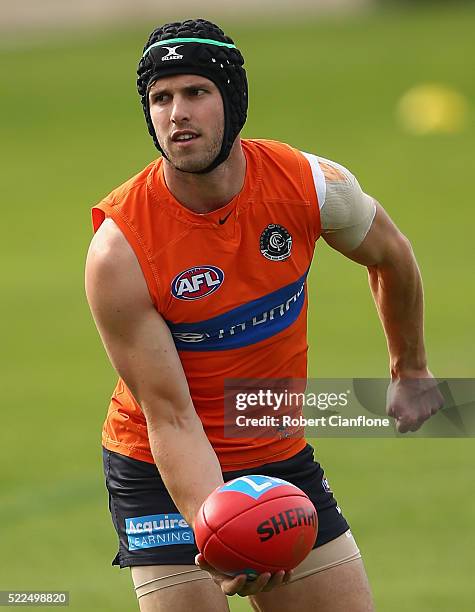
197 46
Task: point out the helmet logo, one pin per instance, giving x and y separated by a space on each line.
172 54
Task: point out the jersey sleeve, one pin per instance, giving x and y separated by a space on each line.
346 212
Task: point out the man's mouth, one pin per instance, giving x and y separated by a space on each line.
184 136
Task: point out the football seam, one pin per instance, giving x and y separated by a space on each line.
244 557
211 531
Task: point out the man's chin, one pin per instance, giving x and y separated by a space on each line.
190 166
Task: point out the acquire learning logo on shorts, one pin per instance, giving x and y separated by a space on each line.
157 530
197 282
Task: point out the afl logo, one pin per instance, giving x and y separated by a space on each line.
196 283
276 242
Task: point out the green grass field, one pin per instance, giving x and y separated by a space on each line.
72 129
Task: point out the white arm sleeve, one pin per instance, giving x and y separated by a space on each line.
346 212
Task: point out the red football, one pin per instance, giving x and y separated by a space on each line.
255 524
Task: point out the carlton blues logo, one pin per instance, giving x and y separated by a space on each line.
196 283
275 242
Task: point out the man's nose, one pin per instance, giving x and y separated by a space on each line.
180 110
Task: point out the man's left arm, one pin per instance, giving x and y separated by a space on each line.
396 285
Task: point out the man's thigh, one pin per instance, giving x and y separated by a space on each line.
177 589
331 579
342 588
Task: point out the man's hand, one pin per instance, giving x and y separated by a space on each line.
239 584
411 401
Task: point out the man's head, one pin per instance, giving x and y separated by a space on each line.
187 114
181 56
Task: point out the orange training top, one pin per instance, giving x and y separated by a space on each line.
231 285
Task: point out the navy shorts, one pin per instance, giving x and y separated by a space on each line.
152 532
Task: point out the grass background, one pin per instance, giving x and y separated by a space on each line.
72 130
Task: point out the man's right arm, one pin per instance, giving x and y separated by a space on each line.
141 349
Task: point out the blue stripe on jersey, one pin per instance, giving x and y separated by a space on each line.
244 325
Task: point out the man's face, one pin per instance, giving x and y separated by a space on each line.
188 116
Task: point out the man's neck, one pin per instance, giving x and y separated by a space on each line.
204 193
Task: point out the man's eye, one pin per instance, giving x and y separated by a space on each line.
158 98
197 92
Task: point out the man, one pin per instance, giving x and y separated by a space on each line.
188 265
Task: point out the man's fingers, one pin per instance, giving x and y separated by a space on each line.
405 425
240 585
390 410
233 585
288 576
276 580
401 426
256 586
